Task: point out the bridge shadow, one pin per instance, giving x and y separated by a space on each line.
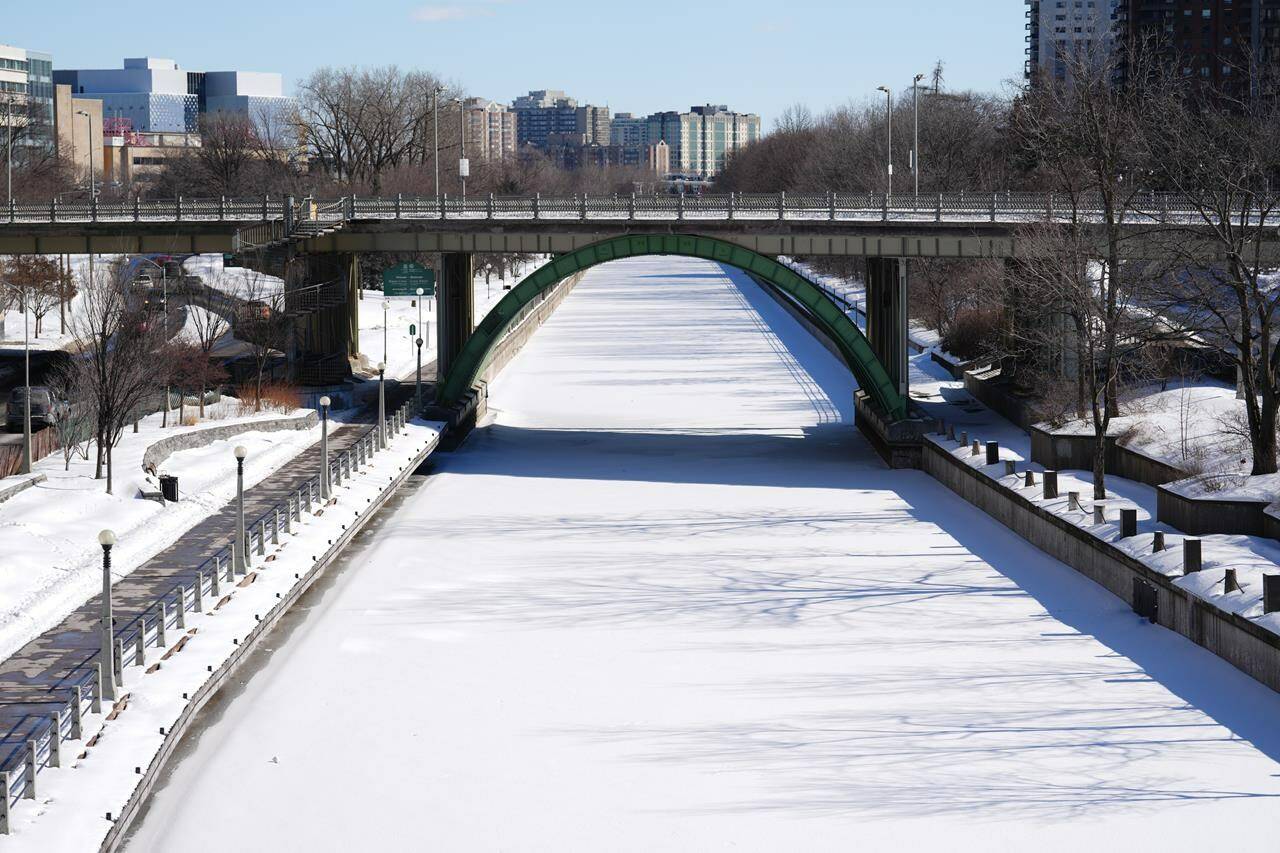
868 758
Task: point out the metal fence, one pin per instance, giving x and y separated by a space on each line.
35 743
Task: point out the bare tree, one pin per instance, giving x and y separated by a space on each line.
1217 149
117 342
207 324
262 323
33 284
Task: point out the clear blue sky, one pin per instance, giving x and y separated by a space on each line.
639 56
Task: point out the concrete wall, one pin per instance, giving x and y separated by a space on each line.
1249 648
155 455
8 490
1203 515
1059 451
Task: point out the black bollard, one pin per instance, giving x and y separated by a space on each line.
1050 485
1190 556
1128 523
993 453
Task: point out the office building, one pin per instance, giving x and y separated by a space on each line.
26 95
78 126
490 130
1060 29
702 140
152 95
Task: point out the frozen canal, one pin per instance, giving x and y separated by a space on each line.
670 600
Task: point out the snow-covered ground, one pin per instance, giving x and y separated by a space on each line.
76 802
670 600
48 533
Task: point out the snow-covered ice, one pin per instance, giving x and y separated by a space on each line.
669 600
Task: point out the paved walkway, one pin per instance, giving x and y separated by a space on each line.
36 681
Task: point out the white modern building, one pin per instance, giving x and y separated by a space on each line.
26 95
153 95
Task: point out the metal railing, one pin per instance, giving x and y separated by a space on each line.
35 744
265 220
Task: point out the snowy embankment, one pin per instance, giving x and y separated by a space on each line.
71 810
48 533
1250 556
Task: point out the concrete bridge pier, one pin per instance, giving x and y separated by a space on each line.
887 316
455 309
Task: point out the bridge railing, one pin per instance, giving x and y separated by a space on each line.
265 220
259 209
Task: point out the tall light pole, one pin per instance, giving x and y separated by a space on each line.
417 385
382 407
464 167
386 306
9 156
888 119
915 131
435 133
107 664
239 553
88 121
26 366
324 448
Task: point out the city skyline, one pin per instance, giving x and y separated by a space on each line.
843 58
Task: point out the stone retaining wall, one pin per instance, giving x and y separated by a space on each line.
157 453
9 490
1063 451
1238 641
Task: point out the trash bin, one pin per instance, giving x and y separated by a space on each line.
169 487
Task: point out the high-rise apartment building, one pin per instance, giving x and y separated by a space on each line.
1059 29
545 112
702 140
26 95
150 95
490 129
1212 40
628 131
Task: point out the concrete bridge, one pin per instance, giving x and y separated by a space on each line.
746 231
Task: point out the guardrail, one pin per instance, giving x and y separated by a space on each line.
36 743
267 220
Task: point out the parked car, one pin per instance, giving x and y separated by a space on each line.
44 408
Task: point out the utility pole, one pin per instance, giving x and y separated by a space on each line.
463 166
88 120
435 132
9 154
888 119
915 132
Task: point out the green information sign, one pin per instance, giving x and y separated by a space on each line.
405 279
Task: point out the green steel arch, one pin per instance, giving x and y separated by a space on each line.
853 345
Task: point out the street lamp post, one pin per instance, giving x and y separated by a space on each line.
888 117
915 132
417 385
386 306
324 448
88 120
464 167
26 366
9 155
435 133
239 552
382 407
107 668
